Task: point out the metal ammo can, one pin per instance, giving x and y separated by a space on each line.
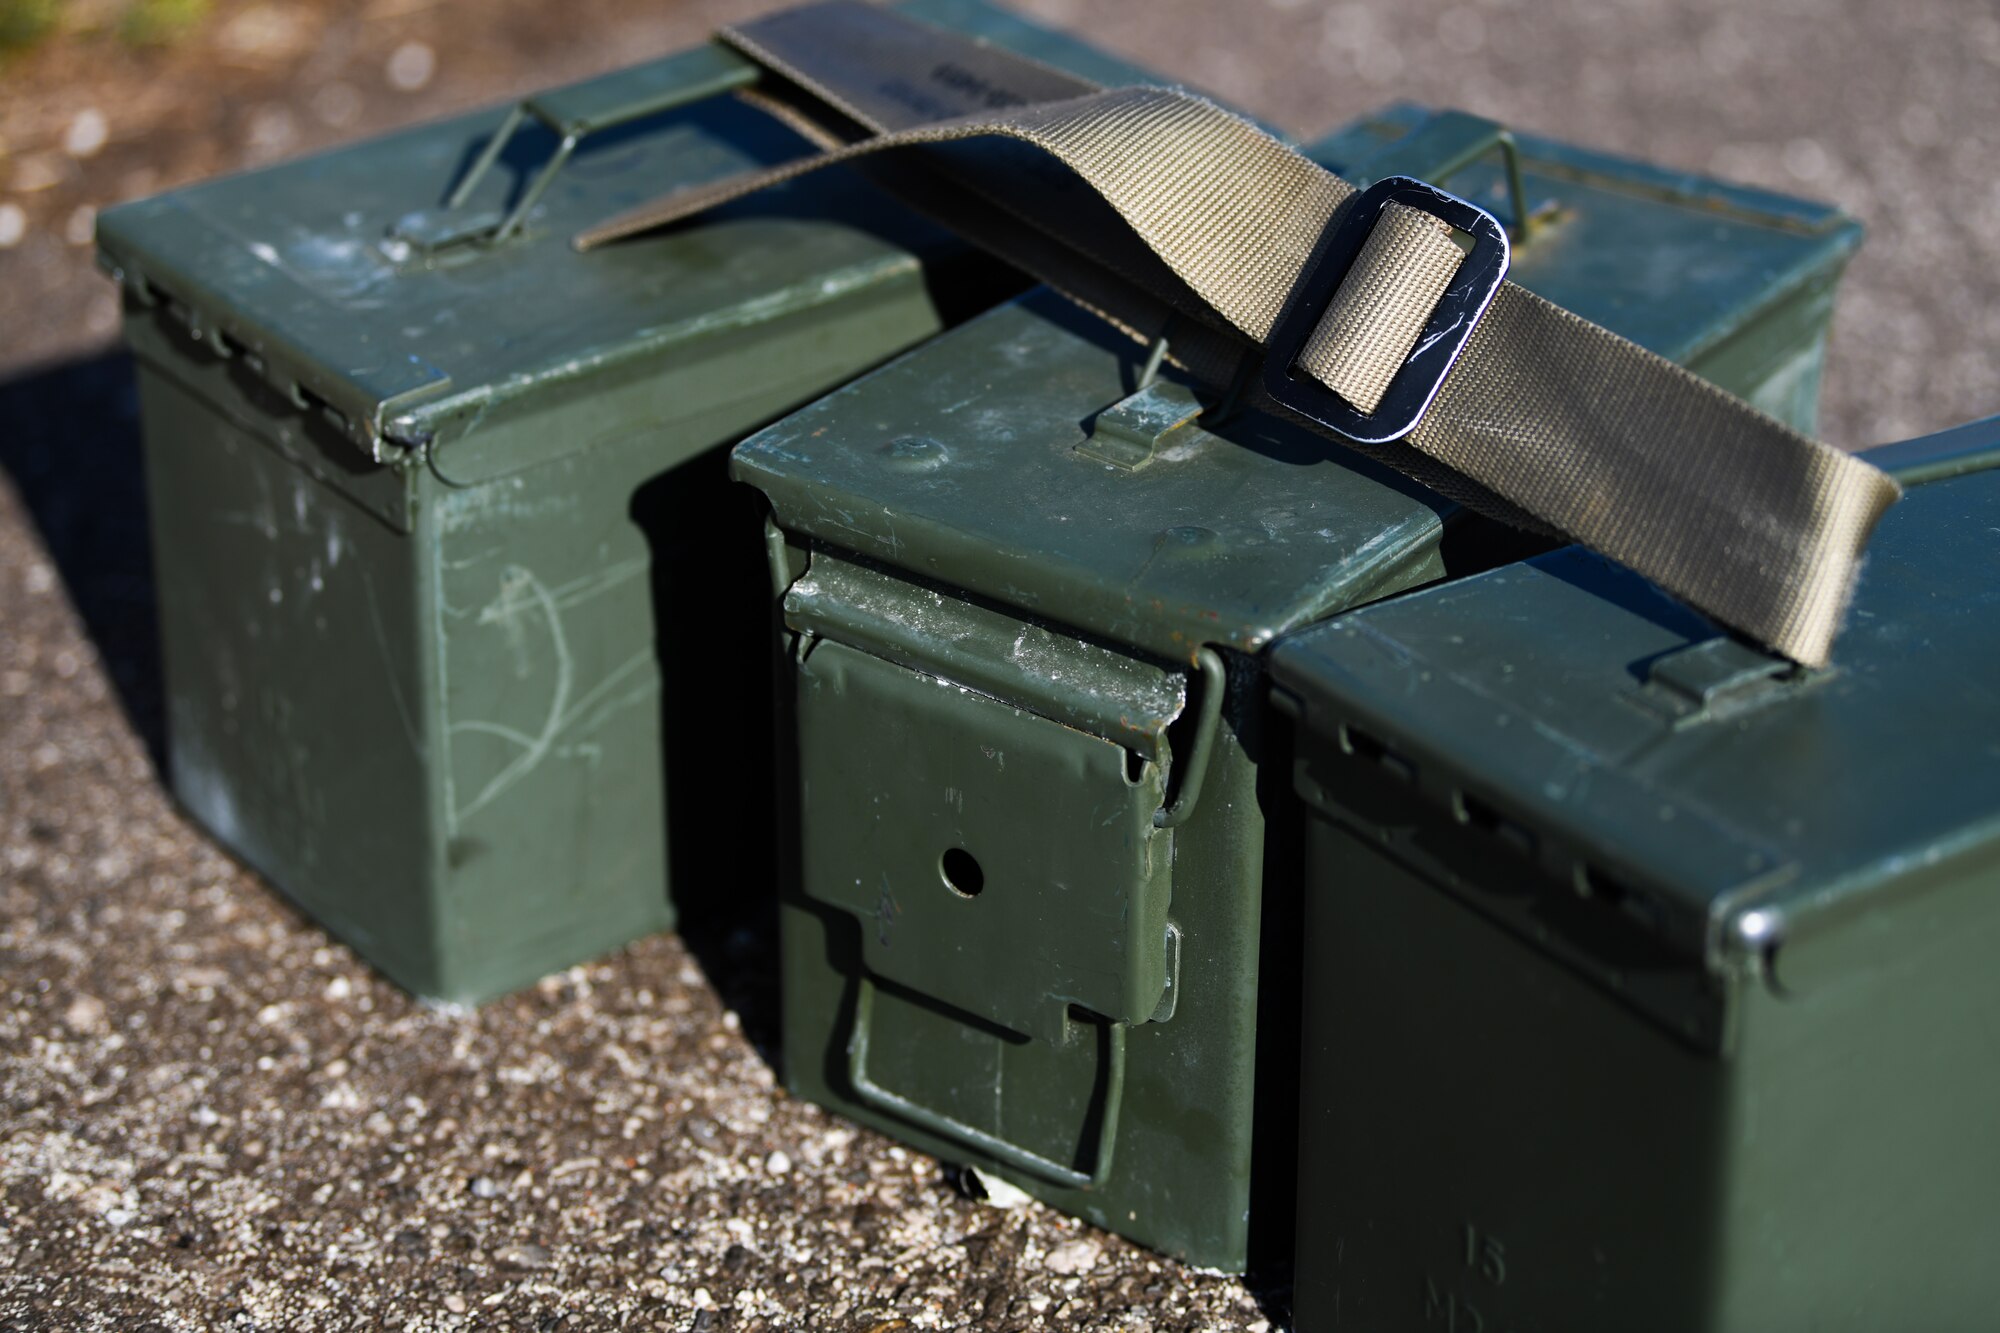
1650 980
442 531
1024 602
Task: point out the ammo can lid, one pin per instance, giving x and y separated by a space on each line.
1608 729
963 462
310 270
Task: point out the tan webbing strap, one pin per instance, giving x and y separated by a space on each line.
1546 418
886 72
1381 307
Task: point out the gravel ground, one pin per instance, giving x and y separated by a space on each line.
211 1116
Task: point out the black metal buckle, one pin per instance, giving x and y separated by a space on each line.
1410 393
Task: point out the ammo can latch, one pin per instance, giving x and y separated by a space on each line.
1008 865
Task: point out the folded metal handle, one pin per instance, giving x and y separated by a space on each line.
1445 144
1214 688
1010 1155
573 112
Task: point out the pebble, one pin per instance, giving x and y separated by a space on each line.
778 1163
1806 159
266 32
13 225
100 1199
272 129
1072 1257
455 1303
337 104
522 1256
40 171
483 1187
411 67
85 1013
86 134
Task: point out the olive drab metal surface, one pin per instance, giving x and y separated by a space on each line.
457 603
1026 578
1651 978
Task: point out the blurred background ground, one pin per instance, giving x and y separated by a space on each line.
213 1117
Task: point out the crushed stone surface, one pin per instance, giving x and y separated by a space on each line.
212 1116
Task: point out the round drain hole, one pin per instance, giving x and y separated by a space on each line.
962 874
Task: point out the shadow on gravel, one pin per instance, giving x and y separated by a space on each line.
711 616
69 440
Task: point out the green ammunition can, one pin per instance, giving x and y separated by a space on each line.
1650 978
440 517
1024 599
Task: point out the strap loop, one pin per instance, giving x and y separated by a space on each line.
1381 306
